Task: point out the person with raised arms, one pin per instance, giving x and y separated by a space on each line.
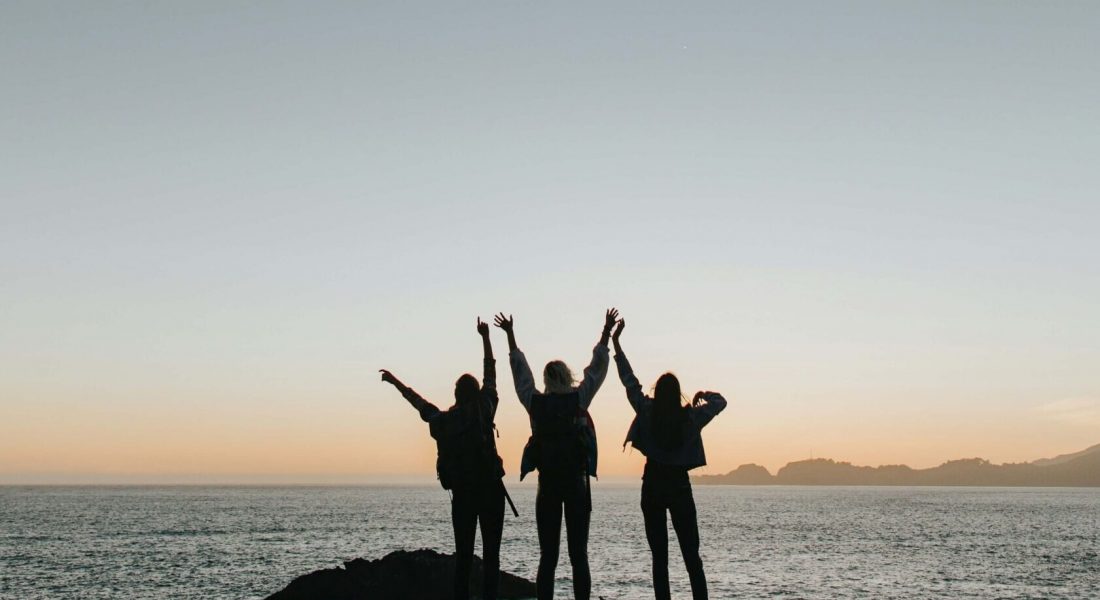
562 447
469 466
669 434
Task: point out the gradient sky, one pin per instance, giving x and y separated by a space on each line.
873 226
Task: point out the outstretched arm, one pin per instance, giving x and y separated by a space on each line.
489 379
634 393
705 406
486 345
596 371
521 371
427 409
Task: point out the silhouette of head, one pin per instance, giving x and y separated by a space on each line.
669 413
557 378
466 389
667 390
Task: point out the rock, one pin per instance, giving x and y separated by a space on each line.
401 575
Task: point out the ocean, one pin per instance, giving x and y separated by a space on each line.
777 542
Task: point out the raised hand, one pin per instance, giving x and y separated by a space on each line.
610 318
699 397
482 328
618 330
388 377
503 322
608 322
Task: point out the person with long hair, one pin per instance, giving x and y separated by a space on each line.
562 448
469 466
669 434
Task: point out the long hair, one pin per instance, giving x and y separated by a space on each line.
669 413
466 390
557 378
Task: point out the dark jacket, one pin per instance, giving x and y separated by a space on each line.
445 424
688 455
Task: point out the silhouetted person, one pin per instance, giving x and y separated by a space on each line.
563 449
469 466
669 435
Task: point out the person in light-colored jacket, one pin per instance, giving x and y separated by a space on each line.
562 448
669 434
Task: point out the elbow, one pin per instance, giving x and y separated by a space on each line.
714 403
719 403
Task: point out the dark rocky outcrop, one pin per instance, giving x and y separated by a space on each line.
401 575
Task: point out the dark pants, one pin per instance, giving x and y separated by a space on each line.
555 494
468 506
674 497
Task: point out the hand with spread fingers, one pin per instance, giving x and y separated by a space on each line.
506 324
503 322
610 318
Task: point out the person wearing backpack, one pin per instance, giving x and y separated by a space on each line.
562 447
669 435
468 465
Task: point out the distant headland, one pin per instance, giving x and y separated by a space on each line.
1080 469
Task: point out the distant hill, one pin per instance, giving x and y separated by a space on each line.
1080 469
1046 462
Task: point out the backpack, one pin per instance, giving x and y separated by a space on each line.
559 439
465 450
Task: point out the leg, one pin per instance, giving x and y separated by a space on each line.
656 533
548 520
492 528
464 521
685 521
577 518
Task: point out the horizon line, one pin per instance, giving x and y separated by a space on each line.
365 479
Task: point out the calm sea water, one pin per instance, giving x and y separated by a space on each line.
788 542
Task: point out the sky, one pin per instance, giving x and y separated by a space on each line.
871 226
